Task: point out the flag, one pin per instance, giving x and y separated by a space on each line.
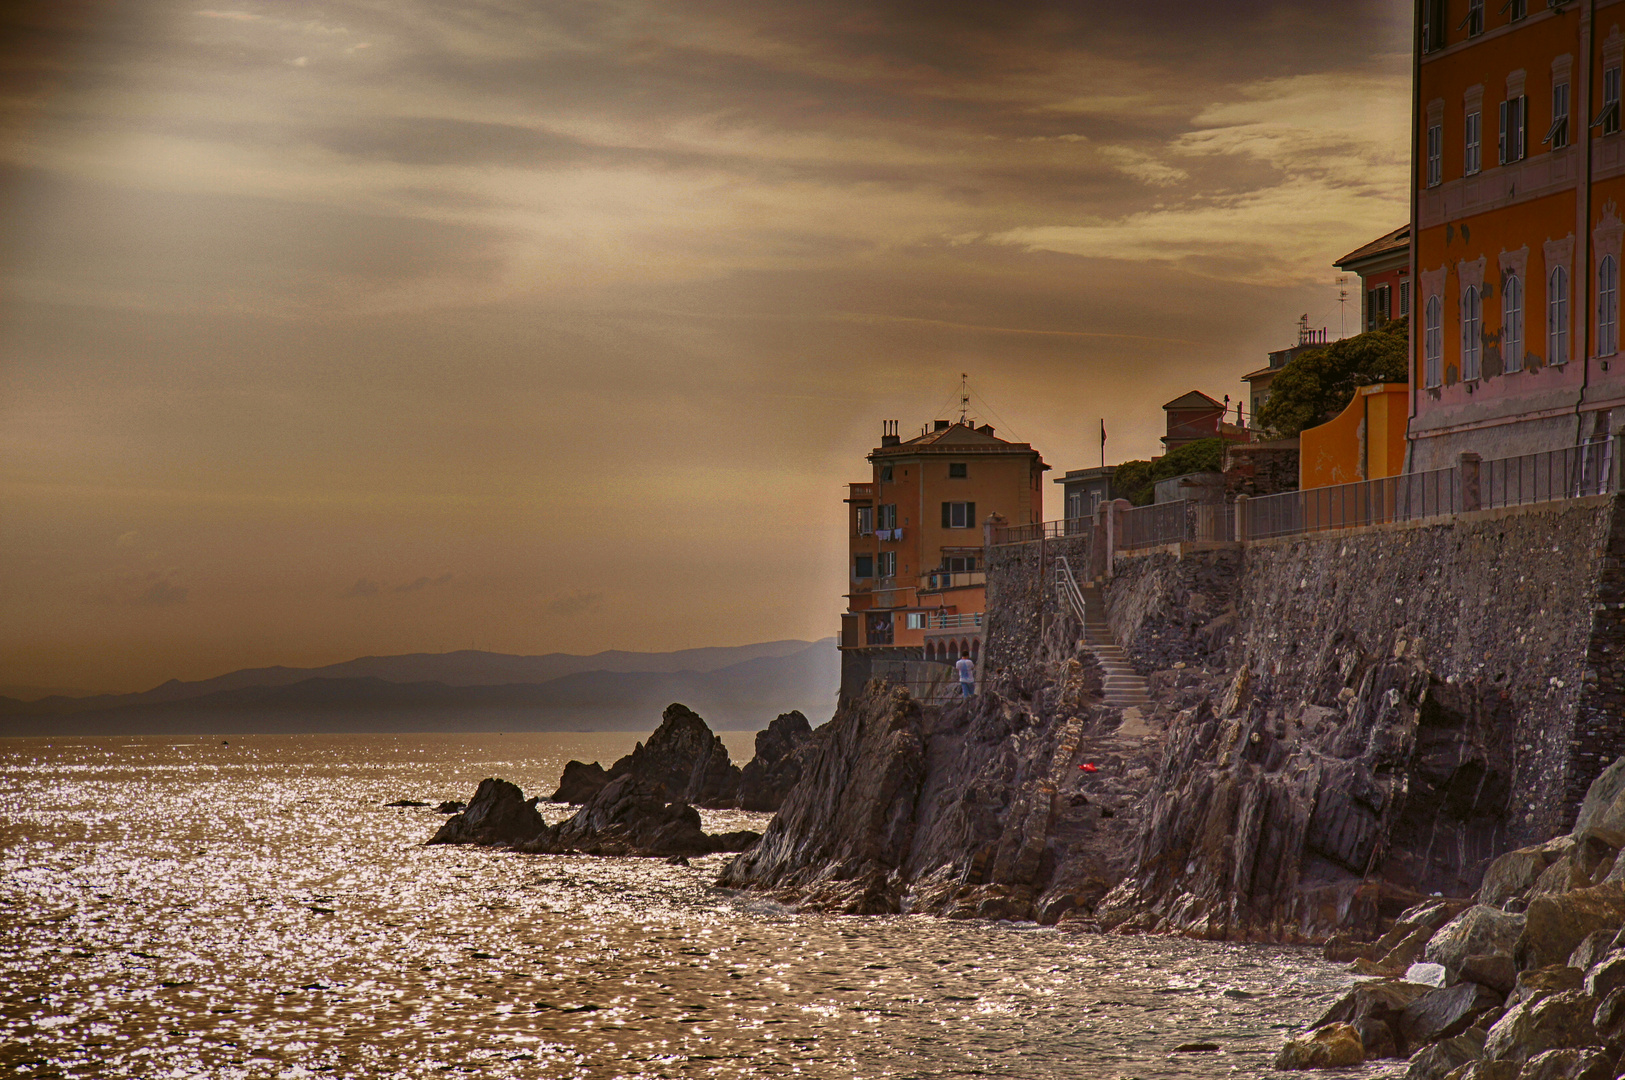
1102 431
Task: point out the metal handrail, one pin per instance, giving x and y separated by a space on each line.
1067 586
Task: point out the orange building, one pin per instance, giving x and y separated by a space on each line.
915 570
1518 174
1366 441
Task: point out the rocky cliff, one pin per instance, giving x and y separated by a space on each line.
1340 725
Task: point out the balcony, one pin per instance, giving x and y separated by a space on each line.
963 579
860 493
945 620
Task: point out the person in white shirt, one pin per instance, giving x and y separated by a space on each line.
967 674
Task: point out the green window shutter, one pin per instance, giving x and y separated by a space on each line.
947 521
970 515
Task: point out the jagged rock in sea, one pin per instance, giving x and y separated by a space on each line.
628 816
768 777
632 816
498 813
579 782
686 758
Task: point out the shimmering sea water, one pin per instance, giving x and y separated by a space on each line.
174 907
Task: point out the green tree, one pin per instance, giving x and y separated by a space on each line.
1317 385
1136 481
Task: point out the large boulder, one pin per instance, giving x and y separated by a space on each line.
768 777
686 758
1385 1000
1438 1060
1515 873
498 813
1553 1022
1555 925
1479 930
579 782
1590 951
1443 1013
1604 804
1534 983
1606 976
1334 1046
1571 1063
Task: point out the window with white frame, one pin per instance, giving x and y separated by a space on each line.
1608 118
1519 9
1514 128
1433 343
1432 25
866 520
1435 155
1377 306
917 620
888 564
1558 133
1557 317
1512 323
888 516
1475 18
958 515
1074 504
1472 333
1607 306
1473 160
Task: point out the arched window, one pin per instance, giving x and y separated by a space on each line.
1607 307
1433 343
1472 333
1512 324
975 648
1557 317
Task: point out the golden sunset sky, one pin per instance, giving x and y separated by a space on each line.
381 326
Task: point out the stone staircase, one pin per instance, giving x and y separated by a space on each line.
1124 688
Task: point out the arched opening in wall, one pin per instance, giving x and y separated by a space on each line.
975 648
930 650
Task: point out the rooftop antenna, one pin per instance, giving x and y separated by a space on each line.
964 396
1342 304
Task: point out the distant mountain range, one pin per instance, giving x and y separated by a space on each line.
738 688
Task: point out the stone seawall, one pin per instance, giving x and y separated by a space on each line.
1496 606
1388 710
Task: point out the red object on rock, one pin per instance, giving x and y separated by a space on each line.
1089 766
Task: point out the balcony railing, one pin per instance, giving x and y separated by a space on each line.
955 580
944 620
861 491
1044 530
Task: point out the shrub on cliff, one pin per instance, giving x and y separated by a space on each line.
1316 385
1136 481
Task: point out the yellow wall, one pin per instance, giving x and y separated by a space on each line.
1366 441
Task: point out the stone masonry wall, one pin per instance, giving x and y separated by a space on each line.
1021 598
1164 607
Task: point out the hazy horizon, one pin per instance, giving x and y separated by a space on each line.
368 329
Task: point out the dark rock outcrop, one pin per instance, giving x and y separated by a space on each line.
686 758
498 813
632 816
780 752
628 816
579 782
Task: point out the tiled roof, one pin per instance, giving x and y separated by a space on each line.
1398 240
1194 400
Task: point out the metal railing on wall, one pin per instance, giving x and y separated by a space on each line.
1591 468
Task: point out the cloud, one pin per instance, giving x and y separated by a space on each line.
147 588
423 583
363 588
574 602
